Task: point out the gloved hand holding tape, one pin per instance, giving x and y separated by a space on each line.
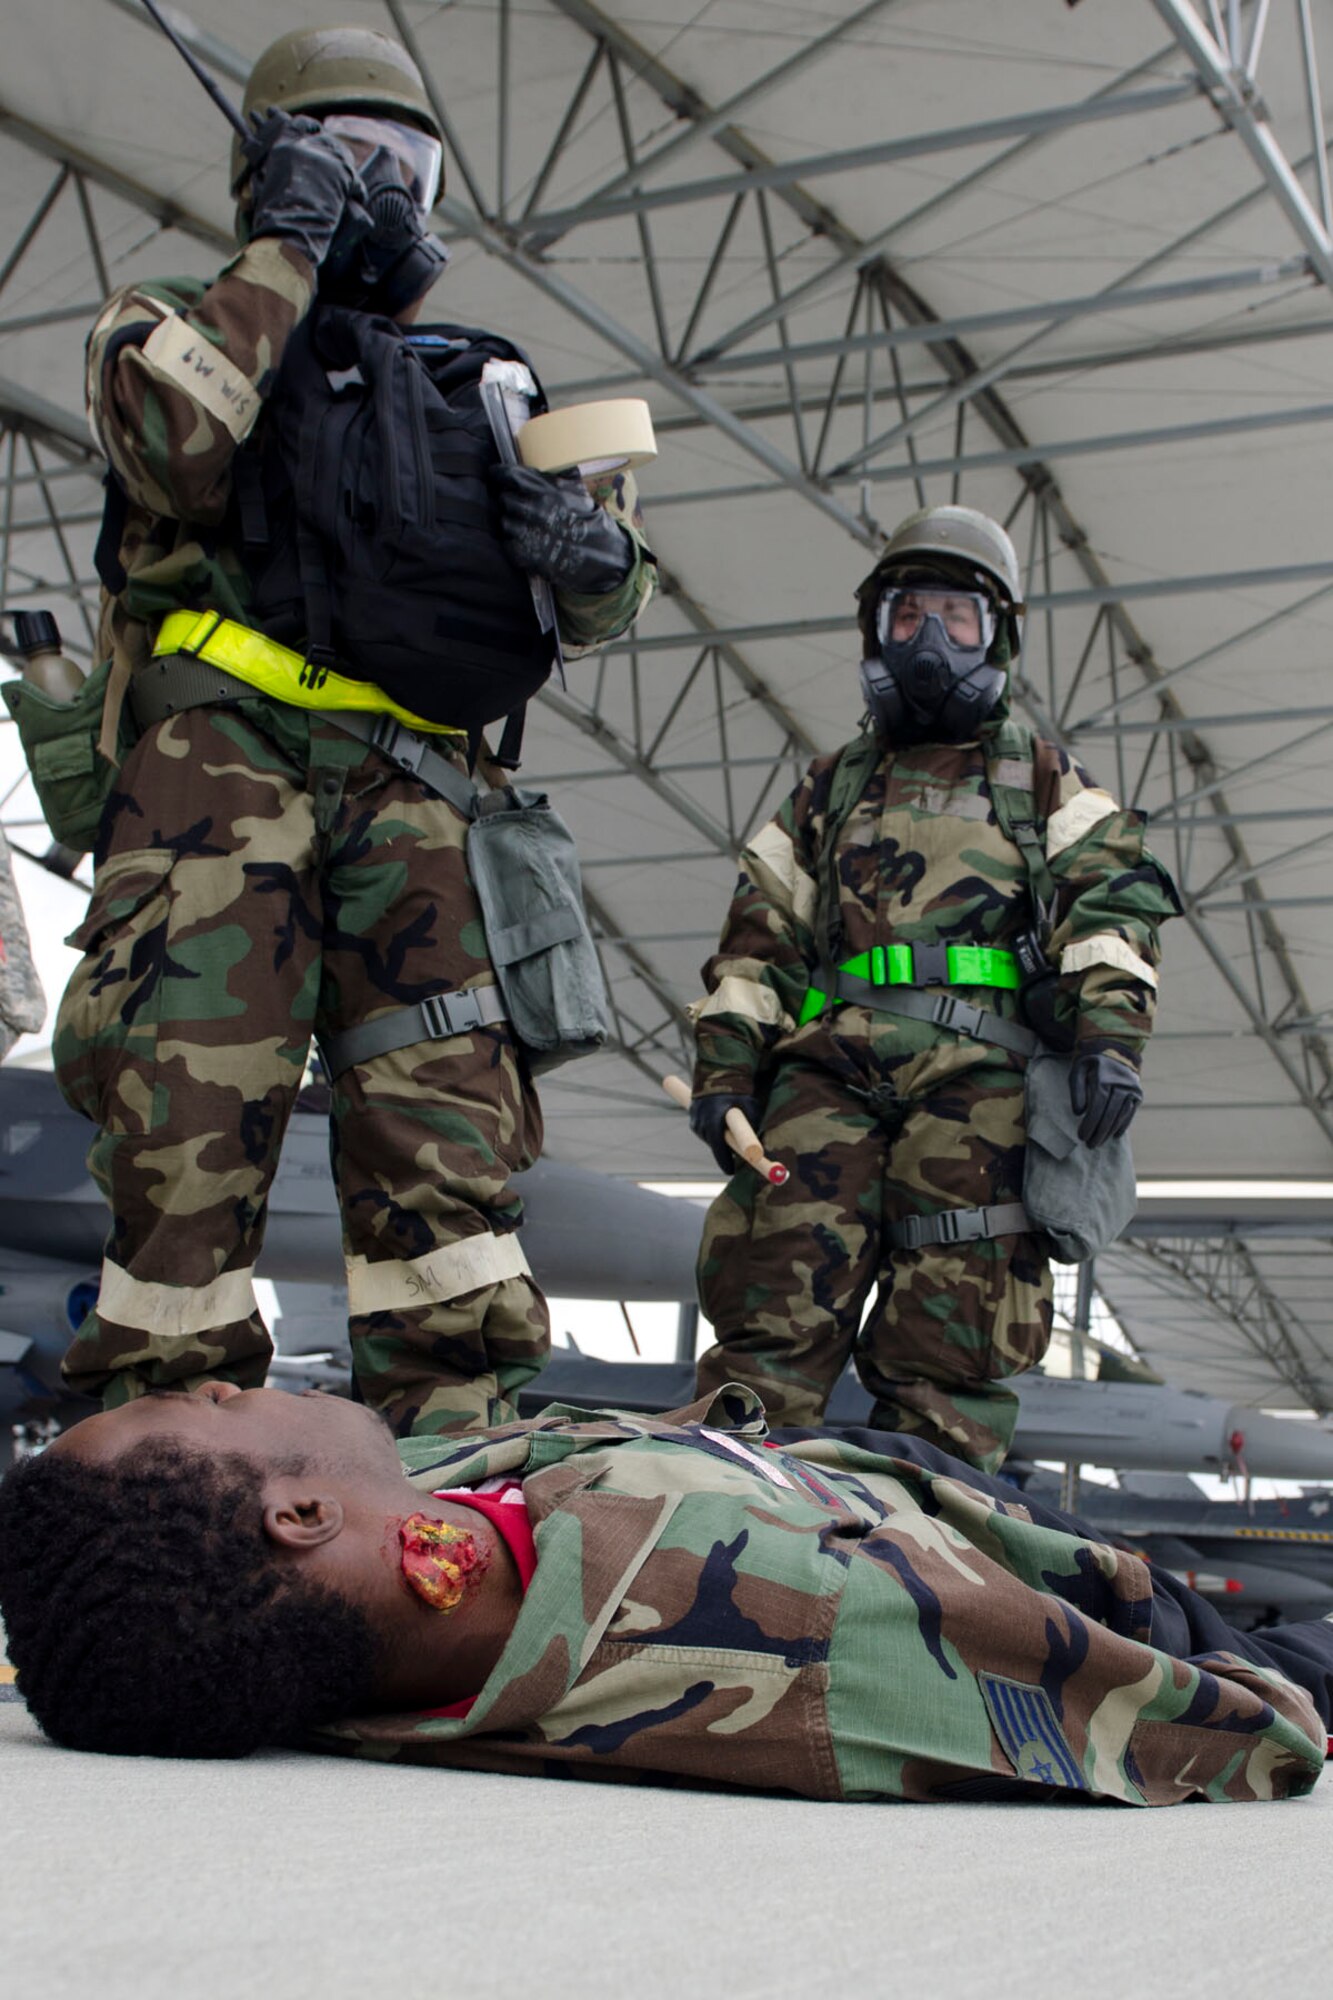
552 528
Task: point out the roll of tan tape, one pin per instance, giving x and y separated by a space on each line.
595 437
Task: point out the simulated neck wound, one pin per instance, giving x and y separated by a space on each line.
440 1562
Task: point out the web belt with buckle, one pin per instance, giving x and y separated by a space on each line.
888 979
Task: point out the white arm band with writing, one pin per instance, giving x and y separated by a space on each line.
185 358
450 1271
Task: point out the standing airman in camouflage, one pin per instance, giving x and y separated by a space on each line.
864 1005
283 852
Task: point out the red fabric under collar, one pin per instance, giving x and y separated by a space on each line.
510 1520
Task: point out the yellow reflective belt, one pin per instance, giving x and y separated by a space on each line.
276 670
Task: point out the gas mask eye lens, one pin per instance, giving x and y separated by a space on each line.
419 157
967 617
905 616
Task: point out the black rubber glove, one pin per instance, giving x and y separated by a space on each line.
557 530
708 1118
1105 1095
305 184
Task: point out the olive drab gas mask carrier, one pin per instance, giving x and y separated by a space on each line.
548 977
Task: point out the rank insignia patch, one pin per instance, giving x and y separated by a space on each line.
1025 1721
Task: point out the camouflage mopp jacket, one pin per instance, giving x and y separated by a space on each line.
825 1621
922 859
178 372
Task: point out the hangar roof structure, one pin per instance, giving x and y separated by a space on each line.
1070 263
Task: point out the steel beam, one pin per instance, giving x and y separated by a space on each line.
170 213
1231 905
408 39
704 123
853 252
1083 305
1233 97
216 54
1166 818
1176 347
1249 718
653 365
778 174
27 411
1314 105
1267 1331
1169 435
971 386
28 234
1120 702
632 761
1271 863
52 316
1214 583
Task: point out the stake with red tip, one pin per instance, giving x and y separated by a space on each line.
741 1135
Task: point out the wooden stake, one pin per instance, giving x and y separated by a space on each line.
741 1135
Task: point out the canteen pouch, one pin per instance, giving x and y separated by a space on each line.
525 870
1082 1197
71 777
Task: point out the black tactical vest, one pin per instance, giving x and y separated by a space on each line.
366 525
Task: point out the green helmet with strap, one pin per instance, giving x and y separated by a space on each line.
327 69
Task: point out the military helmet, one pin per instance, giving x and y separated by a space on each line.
320 69
949 536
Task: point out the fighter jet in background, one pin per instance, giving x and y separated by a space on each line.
587 1236
1260 1561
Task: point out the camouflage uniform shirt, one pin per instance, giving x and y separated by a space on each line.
922 860
825 1621
177 375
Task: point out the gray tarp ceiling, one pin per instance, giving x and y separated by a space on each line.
1071 265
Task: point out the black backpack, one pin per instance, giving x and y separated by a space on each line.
363 513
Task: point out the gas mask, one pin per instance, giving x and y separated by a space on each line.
932 682
390 264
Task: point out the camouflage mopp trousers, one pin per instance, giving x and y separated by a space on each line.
261 877
877 1134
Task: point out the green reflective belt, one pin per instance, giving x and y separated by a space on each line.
922 965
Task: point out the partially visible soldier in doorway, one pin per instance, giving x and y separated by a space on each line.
318 591
868 1008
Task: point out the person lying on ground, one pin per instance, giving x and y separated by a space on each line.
682 1598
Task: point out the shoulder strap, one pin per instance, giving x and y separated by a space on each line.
106 556
851 775
1009 755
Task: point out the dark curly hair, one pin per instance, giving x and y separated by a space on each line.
147 1614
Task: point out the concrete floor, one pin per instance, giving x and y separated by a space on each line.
297 1877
